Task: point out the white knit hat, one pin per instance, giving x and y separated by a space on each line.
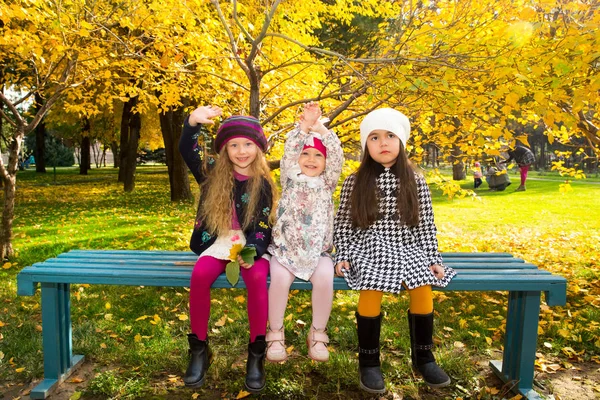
386 119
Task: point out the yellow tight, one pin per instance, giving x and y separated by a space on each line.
421 301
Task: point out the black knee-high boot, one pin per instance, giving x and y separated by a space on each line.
421 343
371 379
255 367
200 357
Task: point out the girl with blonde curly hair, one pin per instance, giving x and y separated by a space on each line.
235 211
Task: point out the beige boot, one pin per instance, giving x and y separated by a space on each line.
317 341
520 188
276 345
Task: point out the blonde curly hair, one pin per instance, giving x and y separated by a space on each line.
217 206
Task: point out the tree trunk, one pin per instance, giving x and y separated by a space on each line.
542 160
8 214
40 140
458 166
114 148
124 146
170 125
9 178
84 165
135 124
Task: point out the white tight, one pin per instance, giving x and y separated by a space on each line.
322 292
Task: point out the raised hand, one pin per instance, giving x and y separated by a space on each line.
204 115
310 115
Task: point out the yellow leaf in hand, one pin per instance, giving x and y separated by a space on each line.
235 250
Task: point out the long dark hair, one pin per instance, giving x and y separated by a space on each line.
364 202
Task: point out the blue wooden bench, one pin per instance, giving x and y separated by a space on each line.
524 283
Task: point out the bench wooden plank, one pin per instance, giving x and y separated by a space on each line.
180 277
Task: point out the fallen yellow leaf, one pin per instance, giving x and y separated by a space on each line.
242 394
221 322
103 345
6 265
107 305
19 370
183 317
76 380
2 324
195 396
240 299
137 338
143 317
289 349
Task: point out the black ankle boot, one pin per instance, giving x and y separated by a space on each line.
200 357
255 367
369 366
421 343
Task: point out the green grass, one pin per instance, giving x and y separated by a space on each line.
135 337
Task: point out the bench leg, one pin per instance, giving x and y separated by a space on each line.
59 361
520 343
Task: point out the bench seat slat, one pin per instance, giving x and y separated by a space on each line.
468 282
189 253
456 264
158 267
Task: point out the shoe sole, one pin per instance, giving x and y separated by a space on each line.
196 384
438 385
369 390
252 390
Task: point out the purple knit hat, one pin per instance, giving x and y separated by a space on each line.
238 126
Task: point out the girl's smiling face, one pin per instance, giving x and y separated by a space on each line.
383 147
312 162
242 153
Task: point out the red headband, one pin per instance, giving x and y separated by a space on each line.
317 144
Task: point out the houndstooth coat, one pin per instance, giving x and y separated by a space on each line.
389 253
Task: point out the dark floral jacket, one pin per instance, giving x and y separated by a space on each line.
258 234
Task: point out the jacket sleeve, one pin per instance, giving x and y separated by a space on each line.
291 152
259 233
335 160
426 231
190 149
342 226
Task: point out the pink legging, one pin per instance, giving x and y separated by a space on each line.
523 169
322 293
206 271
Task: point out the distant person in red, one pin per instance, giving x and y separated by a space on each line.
524 157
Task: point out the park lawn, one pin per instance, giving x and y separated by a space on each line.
135 337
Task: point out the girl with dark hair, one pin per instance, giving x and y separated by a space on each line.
235 212
385 240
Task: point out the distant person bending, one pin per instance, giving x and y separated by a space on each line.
524 157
